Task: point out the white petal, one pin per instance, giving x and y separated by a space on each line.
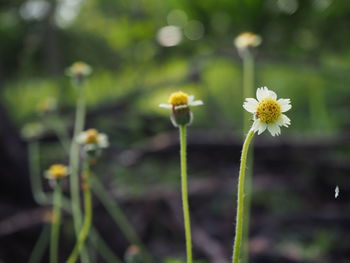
262 93
103 140
274 129
181 106
285 104
272 94
166 106
285 120
259 126
190 99
250 105
81 138
196 103
262 127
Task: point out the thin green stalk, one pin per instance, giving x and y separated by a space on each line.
40 246
103 248
74 166
53 122
240 199
40 196
119 218
56 221
248 84
186 211
74 160
34 171
87 219
248 90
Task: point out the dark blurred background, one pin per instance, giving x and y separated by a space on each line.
141 51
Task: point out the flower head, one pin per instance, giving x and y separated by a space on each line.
246 40
92 140
32 130
180 103
79 71
56 172
268 111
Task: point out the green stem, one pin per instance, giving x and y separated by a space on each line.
240 199
119 217
74 161
74 165
185 205
40 246
87 220
56 221
248 90
248 85
34 171
103 248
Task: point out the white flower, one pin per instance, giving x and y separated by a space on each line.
79 68
92 140
180 100
246 40
268 111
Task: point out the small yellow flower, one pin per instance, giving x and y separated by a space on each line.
268 111
247 40
79 69
179 99
56 172
93 139
180 103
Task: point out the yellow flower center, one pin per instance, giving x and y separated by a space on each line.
178 98
80 67
58 171
91 136
247 39
268 111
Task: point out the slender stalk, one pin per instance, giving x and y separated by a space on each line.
240 199
119 218
248 90
74 165
186 211
53 122
56 221
87 220
103 248
248 84
74 160
34 171
40 246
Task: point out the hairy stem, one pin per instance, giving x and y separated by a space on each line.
186 211
240 199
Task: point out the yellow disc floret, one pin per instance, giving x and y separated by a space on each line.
57 171
91 136
178 98
268 111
